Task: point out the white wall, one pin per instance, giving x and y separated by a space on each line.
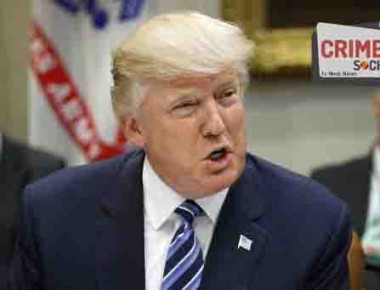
14 19
302 124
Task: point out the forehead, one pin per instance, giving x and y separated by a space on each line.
202 82
164 93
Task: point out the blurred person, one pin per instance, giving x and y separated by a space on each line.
19 165
357 182
189 209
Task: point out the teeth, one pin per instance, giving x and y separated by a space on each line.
217 154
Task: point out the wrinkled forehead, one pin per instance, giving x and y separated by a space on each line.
163 93
186 83
198 80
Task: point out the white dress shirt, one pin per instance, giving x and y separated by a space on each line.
161 223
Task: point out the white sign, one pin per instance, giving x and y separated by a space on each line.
348 51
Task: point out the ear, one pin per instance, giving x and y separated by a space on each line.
133 132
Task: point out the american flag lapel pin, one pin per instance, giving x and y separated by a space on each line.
244 243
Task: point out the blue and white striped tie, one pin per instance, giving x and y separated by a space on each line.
184 261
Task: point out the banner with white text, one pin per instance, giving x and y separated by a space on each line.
71 41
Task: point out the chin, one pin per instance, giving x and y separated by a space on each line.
215 184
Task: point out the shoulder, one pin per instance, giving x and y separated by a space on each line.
284 183
84 181
24 155
350 166
43 163
303 217
296 199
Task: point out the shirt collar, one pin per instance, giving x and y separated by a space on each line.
160 200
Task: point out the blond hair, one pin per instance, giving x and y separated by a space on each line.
172 45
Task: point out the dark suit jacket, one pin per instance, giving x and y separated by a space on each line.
19 165
350 180
83 228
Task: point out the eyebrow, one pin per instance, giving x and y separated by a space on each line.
226 84
181 96
184 94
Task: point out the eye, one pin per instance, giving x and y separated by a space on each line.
229 93
185 108
228 96
186 104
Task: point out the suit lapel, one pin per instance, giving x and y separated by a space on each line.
120 247
227 265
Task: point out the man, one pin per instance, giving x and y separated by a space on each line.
191 210
19 165
356 181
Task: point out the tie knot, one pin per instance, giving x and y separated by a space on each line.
189 210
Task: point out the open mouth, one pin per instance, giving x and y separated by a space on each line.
218 154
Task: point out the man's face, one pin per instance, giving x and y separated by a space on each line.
193 130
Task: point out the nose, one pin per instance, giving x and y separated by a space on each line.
213 122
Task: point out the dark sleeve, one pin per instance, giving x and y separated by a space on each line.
42 164
24 270
331 270
317 175
329 178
